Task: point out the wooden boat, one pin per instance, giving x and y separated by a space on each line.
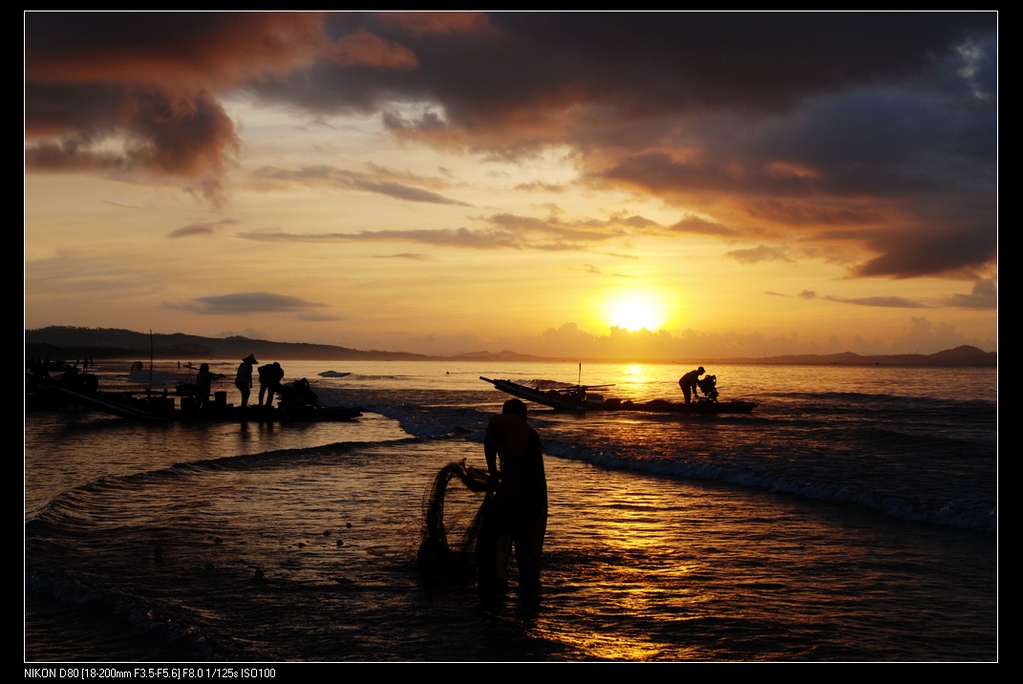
576 398
161 407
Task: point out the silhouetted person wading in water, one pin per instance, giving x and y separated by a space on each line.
516 514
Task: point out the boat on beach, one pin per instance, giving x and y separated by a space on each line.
164 407
578 398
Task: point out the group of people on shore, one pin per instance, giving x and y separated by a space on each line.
269 377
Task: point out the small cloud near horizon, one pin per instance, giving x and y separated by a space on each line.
246 302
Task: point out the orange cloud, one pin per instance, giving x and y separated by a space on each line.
362 48
436 22
216 48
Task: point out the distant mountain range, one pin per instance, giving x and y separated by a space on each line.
62 342
964 355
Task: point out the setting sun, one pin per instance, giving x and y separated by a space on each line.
636 309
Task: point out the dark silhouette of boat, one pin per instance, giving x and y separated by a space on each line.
163 407
578 398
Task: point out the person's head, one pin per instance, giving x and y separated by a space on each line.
515 407
701 370
250 359
204 366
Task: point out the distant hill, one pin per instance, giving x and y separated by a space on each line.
58 342
964 355
62 342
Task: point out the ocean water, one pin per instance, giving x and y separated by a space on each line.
853 516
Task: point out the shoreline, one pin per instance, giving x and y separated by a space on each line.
67 343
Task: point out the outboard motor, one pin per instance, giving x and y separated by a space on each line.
708 386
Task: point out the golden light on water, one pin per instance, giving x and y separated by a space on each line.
630 546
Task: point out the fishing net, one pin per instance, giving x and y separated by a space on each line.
436 559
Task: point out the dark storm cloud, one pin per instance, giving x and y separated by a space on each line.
859 122
638 64
145 82
161 131
963 249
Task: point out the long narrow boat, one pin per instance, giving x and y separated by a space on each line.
575 398
160 408
559 399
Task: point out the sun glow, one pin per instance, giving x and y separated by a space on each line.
637 309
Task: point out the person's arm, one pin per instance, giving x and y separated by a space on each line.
490 452
491 455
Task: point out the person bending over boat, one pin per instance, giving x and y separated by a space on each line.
270 377
688 383
243 381
516 513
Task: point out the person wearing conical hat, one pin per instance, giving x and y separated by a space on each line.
243 381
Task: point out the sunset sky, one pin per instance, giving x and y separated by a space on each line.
665 185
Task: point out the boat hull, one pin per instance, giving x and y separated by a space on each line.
562 402
158 408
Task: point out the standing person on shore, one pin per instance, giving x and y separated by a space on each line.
204 385
688 382
516 515
243 381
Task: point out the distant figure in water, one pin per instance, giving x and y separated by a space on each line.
243 381
516 514
689 381
270 377
204 385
